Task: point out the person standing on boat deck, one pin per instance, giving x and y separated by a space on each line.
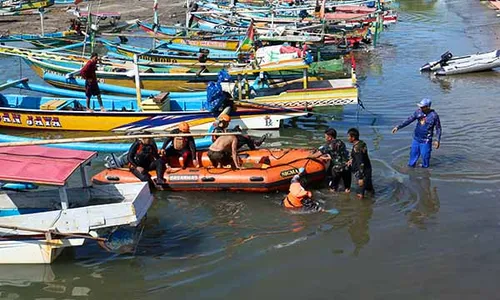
360 163
143 157
427 121
184 147
222 125
223 150
336 152
88 72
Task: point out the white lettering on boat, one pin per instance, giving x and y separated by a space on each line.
183 178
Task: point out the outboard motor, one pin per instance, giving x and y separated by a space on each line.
446 56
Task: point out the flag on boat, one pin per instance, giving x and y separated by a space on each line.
247 42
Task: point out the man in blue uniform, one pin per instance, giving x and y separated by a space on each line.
427 120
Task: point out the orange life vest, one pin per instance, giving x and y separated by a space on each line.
296 195
180 143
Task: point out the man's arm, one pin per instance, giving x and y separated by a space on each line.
156 155
437 143
405 123
438 128
131 153
234 150
166 142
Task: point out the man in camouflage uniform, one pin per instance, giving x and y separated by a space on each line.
335 150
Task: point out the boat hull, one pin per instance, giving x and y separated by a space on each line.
34 251
135 121
254 177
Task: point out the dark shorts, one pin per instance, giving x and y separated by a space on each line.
217 157
91 88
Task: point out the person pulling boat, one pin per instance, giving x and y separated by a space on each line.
335 154
298 197
180 146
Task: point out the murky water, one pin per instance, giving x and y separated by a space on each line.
430 234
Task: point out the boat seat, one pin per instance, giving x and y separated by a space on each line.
55 104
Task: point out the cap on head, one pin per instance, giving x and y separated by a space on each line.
183 127
295 178
225 117
425 102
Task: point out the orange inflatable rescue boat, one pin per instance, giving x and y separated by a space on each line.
264 170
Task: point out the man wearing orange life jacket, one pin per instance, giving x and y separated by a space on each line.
184 147
298 196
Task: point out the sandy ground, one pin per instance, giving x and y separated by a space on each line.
58 18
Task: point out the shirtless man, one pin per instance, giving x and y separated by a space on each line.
223 149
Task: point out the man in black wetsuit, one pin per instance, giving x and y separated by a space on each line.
360 163
143 157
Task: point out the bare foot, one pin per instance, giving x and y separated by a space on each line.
347 191
360 196
103 109
89 110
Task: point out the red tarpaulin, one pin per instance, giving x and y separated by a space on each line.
42 165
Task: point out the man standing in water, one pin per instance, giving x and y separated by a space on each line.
427 120
335 151
360 163
91 86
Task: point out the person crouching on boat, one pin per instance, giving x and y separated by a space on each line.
298 197
180 146
222 125
223 150
143 157
88 72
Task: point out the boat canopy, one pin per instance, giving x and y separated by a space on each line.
41 165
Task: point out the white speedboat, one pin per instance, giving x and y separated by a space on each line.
36 225
449 65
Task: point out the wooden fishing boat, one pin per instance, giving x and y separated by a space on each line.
37 225
13 6
211 43
166 56
264 170
46 113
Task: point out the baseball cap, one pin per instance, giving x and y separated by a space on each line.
425 102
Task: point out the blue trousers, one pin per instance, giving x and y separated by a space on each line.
420 149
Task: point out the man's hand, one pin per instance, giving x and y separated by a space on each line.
349 163
394 130
140 169
437 144
195 163
162 152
